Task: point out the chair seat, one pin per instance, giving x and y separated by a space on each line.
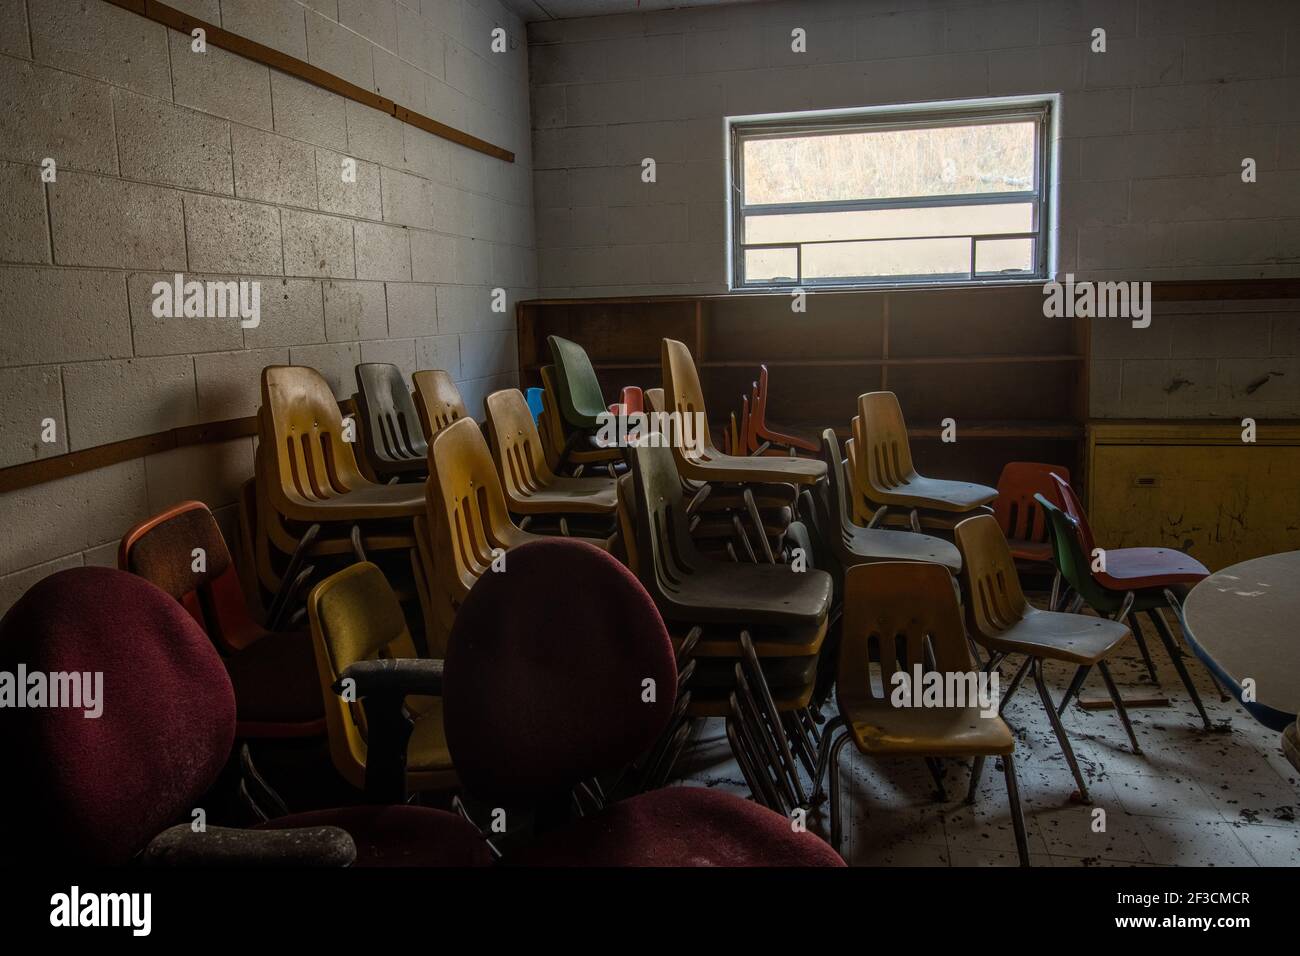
737 469
363 503
275 682
880 730
937 494
1057 636
723 592
679 826
866 545
570 496
1036 551
399 835
1136 569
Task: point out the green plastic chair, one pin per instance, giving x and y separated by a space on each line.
579 395
1075 568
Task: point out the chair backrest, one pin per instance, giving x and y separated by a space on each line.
899 614
1072 560
627 521
1015 509
516 445
632 399
466 506
551 423
183 552
665 551
853 476
994 600
548 683
654 399
837 482
437 401
392 429
98 789
684 396
884 447
1072 506
578 392
355 616
305 429
757 409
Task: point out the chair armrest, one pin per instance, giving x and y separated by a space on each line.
382 688
222 846
400 676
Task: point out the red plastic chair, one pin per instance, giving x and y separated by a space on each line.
1130 569
1022 521
757 430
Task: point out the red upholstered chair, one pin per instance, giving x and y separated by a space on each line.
545 687
1021 519
101 790
277 691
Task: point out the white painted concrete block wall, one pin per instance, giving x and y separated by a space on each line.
1155 130
217 167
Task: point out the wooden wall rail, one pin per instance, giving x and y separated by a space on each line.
215 36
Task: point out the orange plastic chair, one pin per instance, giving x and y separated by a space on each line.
437 401
531 488
313 472
891 480
759 431
183 552
1019 516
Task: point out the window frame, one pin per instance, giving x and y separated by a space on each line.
1043 111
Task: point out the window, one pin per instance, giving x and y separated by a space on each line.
928 194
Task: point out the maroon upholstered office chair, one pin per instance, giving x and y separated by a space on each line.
107 789
558 670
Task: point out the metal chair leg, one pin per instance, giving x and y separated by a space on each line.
823 756
1014 686
1177 656
765 746
976 770
1119 705
752 507
1059 729
936 771
837 831
1136 627
1017 817
769 711
1076 683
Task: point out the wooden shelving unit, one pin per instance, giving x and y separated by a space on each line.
1014 380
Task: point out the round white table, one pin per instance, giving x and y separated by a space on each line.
1244 622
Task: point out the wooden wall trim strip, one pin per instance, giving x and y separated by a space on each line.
250 50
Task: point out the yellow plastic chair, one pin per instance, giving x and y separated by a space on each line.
894 612
891 481
531 488
355 616
1005 623
313 471
437 401
695 454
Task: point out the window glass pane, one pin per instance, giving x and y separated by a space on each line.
1004 256
771 265
978 220
890 257
889 164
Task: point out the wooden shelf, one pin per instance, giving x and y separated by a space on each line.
968 431
851 362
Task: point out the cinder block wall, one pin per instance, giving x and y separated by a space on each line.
217 167
1155 130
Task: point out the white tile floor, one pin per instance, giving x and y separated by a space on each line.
1227 798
